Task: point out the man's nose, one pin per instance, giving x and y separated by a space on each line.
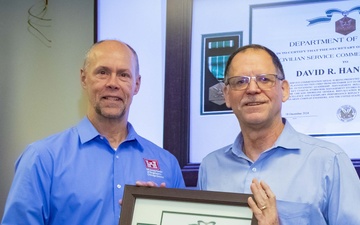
253 85
113 81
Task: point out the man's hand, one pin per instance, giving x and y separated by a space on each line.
146 184
149 184
264 204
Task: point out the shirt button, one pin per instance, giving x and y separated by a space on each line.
118 186
253 169
117 156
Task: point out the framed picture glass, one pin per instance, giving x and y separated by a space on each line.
216 49
319 57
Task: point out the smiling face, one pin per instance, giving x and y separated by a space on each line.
110 79
253 106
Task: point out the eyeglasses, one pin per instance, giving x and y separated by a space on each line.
264 81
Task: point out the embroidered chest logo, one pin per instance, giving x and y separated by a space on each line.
152 164
153 168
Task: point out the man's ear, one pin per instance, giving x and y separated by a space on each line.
137 84
82 77
285 86
226 96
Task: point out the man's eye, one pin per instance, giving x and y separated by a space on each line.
101 72
263 79
124 75
240 81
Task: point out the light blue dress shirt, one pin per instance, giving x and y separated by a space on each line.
314 181
75 177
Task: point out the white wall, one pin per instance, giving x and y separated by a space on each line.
141 23
40 92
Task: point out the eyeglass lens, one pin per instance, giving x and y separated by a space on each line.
264 81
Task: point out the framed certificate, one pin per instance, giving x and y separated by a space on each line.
318 55
170 206
321 63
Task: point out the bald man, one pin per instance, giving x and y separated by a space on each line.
78 176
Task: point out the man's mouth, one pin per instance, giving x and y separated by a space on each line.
112 98
253 103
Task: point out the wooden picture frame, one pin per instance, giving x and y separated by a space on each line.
163 206
177 86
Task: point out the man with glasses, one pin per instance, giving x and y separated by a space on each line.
313 180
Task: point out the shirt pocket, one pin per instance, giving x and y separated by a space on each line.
293 213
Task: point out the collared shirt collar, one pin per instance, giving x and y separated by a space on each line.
88 132
287 140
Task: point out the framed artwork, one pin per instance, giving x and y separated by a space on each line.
216 49
170 206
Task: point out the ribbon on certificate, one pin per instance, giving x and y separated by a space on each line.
221 44
216 65
329 13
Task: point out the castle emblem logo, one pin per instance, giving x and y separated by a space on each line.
152 164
